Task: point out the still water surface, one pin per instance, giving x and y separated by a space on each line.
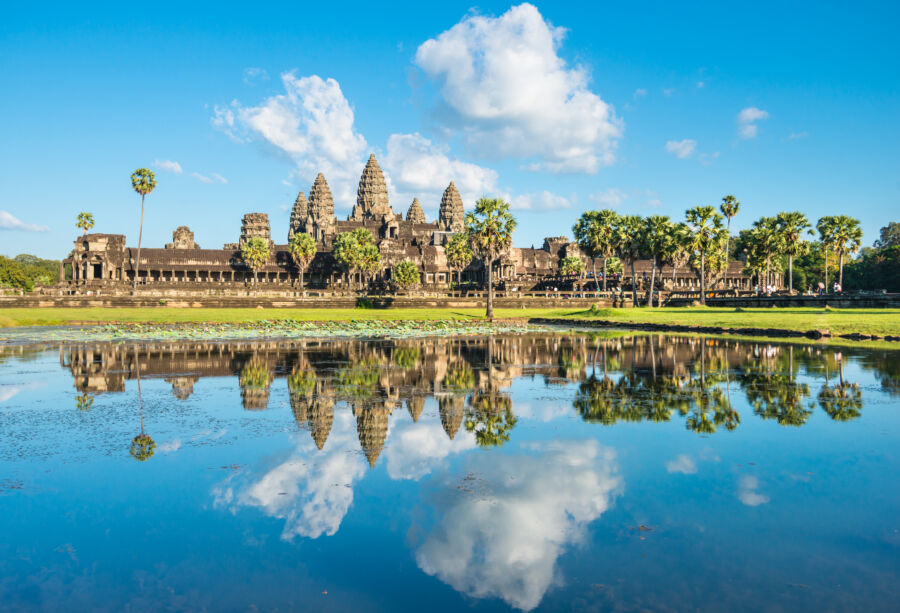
534 472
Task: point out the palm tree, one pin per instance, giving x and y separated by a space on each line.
490 228
458 254
84 222
630 242
255 253
825 226
729 207
846 238
302 248
769 241
143 181
791 227
706 230
659 239
596 236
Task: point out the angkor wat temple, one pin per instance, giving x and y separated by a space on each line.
103 260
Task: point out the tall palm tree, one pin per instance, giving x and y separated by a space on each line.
706 231
791 227
84 222
729 207
825 226
769 241
459 254
595 233
846 238
143 181
302 248
630 244
490 228
659 239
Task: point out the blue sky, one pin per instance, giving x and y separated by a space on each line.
559 107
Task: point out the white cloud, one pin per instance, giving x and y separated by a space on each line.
708 158
611 197
747 493
252 75
796 135
683 464
7 392
668 92
170 446
9 222
501 536
654 203
681 148
507 92
541 201
747 120
417 167
168 165
639 93
312 123
219 178
418 448
700 84
201 178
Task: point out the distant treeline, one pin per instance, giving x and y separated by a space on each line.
27 272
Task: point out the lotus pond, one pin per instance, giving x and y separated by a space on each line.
446 469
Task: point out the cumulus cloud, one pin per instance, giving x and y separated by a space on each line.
506 91
416 449
418 167
541 201
611 197
501 537
747 492
9 222
683 464
311 122
747 120
681 148
312 490
168 165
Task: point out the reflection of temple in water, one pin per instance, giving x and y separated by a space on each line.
637 377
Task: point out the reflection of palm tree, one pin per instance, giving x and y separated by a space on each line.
142 446
490 418
84 401
775 395
301 385
254 381
842 402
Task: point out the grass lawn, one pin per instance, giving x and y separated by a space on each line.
839 321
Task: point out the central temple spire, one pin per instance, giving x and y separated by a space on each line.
372 196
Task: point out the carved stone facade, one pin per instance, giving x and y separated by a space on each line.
103 259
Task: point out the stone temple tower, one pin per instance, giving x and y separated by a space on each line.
372 195
320 221
298 215
452 217
255 225
415 214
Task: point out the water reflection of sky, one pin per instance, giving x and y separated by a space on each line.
794 508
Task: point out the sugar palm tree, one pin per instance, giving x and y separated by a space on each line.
659 241
84 222
706 231
490 228
302 248
769 241
143 181
630 242
459 254
255 253
729 207
596 236
791 227
846 238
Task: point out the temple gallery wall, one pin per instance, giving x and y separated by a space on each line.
104 260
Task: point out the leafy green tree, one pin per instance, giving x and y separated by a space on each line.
595 232
143 181
369 261
302 248
405 274
889 236
356 251
459 254
707 236
791 227
255 253
630 245
490 228
84 222
845 237
571 266
660 242
12 275
729 207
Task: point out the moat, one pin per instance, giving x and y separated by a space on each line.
519 471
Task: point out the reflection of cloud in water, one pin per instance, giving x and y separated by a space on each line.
7 392
503 539
313 490
682 464
418 448
547 410
747 493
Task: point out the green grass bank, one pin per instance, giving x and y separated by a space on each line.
881 322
